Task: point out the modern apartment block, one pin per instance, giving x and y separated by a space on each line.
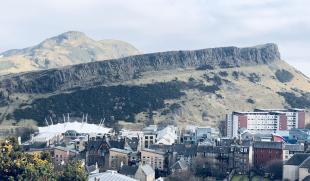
264 121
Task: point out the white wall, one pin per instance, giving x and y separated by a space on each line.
303 172
290 172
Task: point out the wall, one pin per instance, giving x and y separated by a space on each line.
290 172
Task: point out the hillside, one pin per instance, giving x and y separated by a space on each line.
65 49
193 87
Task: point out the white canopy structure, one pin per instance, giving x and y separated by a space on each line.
80 127
53 131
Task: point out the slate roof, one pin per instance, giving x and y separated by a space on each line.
268 145
306 163
297 159
180 165
294 147
214 149
128 170
181 149
95 144
185 150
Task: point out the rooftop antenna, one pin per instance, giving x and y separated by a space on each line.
51 120
102 124
83 119
46 122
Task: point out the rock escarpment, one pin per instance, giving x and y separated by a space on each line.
123 69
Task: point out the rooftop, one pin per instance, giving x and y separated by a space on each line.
120 150
268 144
110 176
128 170
80 127
297 159
153 151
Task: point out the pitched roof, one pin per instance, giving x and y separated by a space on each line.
297 159
179 165
110 176
306 163
147 169
128 170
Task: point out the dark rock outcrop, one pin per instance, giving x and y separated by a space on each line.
118 70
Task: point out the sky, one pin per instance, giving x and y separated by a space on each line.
163 25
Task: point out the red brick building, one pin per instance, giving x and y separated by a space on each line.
267 152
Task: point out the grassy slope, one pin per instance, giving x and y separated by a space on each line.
234 93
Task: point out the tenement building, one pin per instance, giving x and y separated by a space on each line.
265 121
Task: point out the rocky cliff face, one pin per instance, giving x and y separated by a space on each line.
178 87
119 70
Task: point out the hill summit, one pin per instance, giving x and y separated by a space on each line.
65 49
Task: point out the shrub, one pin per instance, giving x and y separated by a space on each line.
235 74
254 78
251 101
284 76
205 67
223 73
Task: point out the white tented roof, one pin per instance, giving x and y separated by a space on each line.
110 176
76 126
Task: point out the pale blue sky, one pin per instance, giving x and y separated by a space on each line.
162 25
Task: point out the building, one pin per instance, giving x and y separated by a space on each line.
243 157
145 173
304 170
109 175
179 166
267 152
117 158
264 121
156 159
63 154
149 136
167 136
295 117
292 166
291 149
98 150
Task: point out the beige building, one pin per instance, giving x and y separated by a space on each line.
296 168
117 158
156 159
145 173
62 155
304 170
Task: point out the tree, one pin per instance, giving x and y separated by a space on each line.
16 165
182 176
74 171
275 168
